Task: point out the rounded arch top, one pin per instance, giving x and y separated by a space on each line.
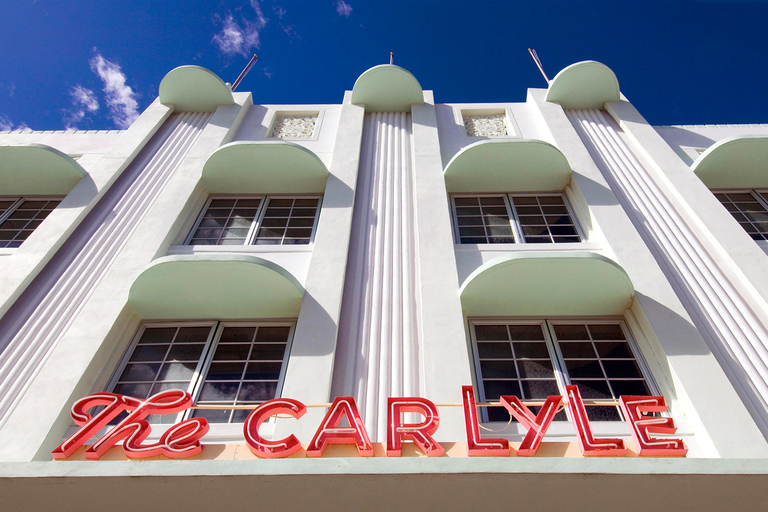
215 286
387 88
518 165
735 162
264 167
37 169
587 84
194 89
544 283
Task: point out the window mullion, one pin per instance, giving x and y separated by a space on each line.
257 220
513 219
198 378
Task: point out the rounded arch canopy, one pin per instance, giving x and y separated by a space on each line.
37 169
587 84
387 88
265 167
571 283
735 162
215 286
517 165
194 89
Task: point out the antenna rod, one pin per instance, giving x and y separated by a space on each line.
245 72
538 63
391 57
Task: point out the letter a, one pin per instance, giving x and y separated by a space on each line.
329 431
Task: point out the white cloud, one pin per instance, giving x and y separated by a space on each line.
240 37
343 8
84 101
6 125
121 100
279 11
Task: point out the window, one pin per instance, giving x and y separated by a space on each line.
749 208
498 219
532 360
256 220
20 216
218 363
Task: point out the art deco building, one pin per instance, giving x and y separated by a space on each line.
388 246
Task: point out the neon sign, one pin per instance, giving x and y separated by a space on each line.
343 424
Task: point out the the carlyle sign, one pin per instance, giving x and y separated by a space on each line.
342 424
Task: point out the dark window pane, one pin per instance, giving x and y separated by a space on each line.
185 352
498 369
630 387
571 332
594 389
533 350
606 331
495 388
219 392
535 368
134 390
603 413
268 352
622 369
586 369
140 372
577 349
157 335
537 389
491 332
149 353
262 371
232 352
494 350
192 334
526 332
225 371
237 335
257 391
498 414
613 349
213 415
272 334
177 371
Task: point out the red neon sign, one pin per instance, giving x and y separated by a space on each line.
537 425
642 426
181 440
420 433
329 431
342 424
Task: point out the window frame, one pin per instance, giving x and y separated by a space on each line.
253 230
18 201
556 357
514 220
216 328
757 195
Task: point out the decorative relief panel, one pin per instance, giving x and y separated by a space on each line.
491 125
294 126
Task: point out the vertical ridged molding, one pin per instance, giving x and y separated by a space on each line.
65 290
378 349
730 318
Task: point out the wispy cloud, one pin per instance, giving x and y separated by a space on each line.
343 8
120 98
84 101
279 11
6 124
240 37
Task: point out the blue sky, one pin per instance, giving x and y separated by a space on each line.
96 64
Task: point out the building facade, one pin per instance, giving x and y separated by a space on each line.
386 247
